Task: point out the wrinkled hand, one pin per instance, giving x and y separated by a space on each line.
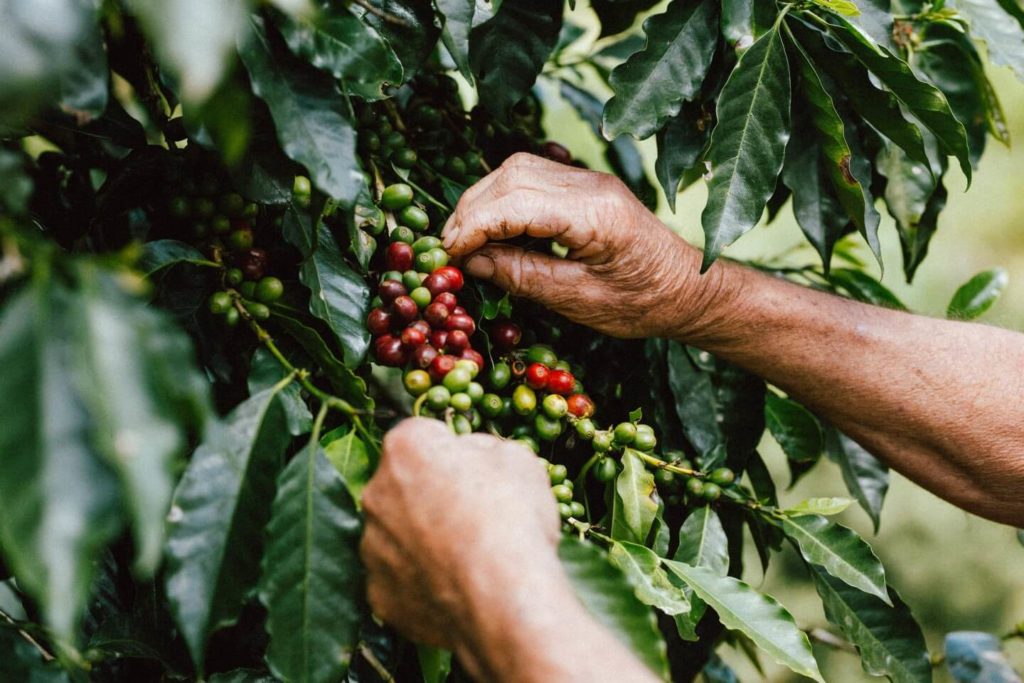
626 274
448 519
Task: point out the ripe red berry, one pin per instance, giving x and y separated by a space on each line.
423 327
556 152
441 366
475 356
252 262
390 290
438 338
436 314
580 405
506 335
405 309
458 310
437 284
388 350
379 321
561 382
458 341
537 375
448 300
424 355
453 275
400 257
460 322
413 337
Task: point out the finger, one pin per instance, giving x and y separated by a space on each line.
507 175
546 279
411 433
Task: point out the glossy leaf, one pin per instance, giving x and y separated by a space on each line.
618 15
908 188
839 551
307 110
411 30
818 506
351 458
1004 39
339 296
744 20
312 584
681 143
220 509
643 569
265 371
702 541
636 501
458 21
160 254
888 639
794 427
694 400
974 657
759 617
978 294
608 596
817 210
435 664
652 84
748 144
195 38
865 476
508 52
863 287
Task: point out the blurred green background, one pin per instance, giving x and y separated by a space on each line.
955 570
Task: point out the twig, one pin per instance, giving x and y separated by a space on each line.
35 643
389 18
375 663
830 639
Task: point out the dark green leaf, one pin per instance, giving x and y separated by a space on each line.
312 584
888 639
337 42
695 401
15 185
83 85
618 15
717 671
702 542
651 85
974 657
1004 39
220 509
759 617
264 372
339 296
508 52
458 20
161 254
745 20
817 210
680 145
794 427
636 501
22 662
414 34
867 479
194 38
909 186
748 144
609 597
264 174
307 110
839 551
978 294
435 664
650 582
351 458
863 287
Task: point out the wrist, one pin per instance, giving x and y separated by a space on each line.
708 305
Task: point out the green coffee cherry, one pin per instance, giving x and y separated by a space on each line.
417 382
605 469
462 425
499 376
585 429
723 476
555 406
695 487
563 494
396 197
712 491
529 442
625 433
404 157
411 280
541 353
248 289
439 256
269 290
602 442
490 405
578 510
231 317
257 310
220 224
664 477
645 441
421 295
564 510
524 399
475 391
557 473
461 402
457 379
469 366
403 234
220 303
234 276
547 429
438 398
414 217
425 244
392 275
424 263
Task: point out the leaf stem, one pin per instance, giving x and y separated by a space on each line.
671 467
375 663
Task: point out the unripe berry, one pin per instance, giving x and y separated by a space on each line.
723 476
605 469
417 382
554 406
269 290
396 197
602 442
625 433
500 376
524 400
585 429
557 473
474 356
220 302
712 491
563 494
438 398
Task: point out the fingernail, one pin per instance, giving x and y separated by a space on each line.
480 265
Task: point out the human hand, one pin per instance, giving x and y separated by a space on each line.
626 274
451 523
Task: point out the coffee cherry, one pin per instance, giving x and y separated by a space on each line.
474 356
436 314
441 366
403 234
405 309
470 366
541 353
578 510
423 356
452 274
447 299
221 225
424 263
458 310
378 322
269 290
425 244
438 339
563 494
437 284
422 326
625 433
556 152
242 238
537 375
413 337
712 491
252 263
411 280
605 469
554 406
695 487
390 290
220 303
506 335
234 277
461 401
580 405
524 400
518 368
723 476
506 408
490 405
203 208
664 477
644 441
547 429
393 275
557 473
389 351
458 379
231 317
476 392
301 186
414 217
257 310
529 442
421 295
404 158
396 197
560 382
457 342
460 322
499 376
585 429
564 510
438 398
399 257
416 382
602 442
247 290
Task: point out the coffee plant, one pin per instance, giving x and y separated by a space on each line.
221 281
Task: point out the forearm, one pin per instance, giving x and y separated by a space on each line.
940 401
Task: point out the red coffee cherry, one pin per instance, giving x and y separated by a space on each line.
506 335
252 262
580 405
405 309
475 356
400 257
390 290
424 355
460 322
458 341
437 284
441 366
561 382
438 338
378 322
422 326
453 275
448 300
388 350
436 314
537 375
458 310
413 337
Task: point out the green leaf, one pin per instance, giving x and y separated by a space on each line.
15 184
458 20
865 476
922 99
265 371
618 15
909 185
194 38
844 7
413 36
307 110
652 84
339 296
818 211
435 663
759 617
794 427
839 551
863 287
22 661
337 42
888 639
744 20
681 142
160 254
978 294
1004 39
59 501
351 458
508 51
975 657
220 509
702 541
242 676
636 503
83 84
818 506
312 584
650 582
609 597
694 400
748 144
